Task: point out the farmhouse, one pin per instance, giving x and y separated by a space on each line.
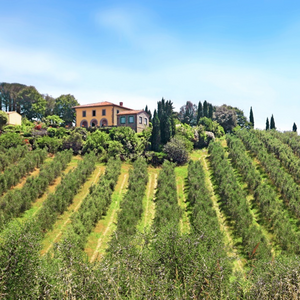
14 118
105 114
138 120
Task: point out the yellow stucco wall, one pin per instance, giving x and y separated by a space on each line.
110 114
14 118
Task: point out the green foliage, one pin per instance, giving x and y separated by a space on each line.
226 117
188 113
32 104
57 203
53 120
51 144
231 193
73 142
19 261
176 151
167 209
10 139
97 141
3 119
213 126
16 201
132 204
63 108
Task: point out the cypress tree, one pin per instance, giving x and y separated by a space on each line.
148 111
210 111
294 127
272 123
205 110
267 124
251 118
199 112
155 138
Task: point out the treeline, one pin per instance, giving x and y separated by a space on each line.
28 102
273 211
235 205
15 173
95 204
58 202
16 201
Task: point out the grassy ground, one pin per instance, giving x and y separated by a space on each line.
148 203
98 240
232 249
181 175
39 202
54 235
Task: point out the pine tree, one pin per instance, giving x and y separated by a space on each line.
267 124
251 118
272 123
199 112
155 138
205 110
294 127
210 111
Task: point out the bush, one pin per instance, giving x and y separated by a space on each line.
176 151
11 139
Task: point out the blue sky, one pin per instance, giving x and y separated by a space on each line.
241 53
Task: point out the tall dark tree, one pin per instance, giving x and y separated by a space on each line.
64 108
205 109
267 124
148 111
50 104
188 113
294 127
272 123
251 118
210 111
165 112
199 112
9 96
155 138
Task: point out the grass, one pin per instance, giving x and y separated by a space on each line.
99 239
39 202
148 203
63 220
181 175
232 250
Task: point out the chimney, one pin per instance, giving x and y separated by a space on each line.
121 103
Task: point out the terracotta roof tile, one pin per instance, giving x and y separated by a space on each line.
131 112
104 103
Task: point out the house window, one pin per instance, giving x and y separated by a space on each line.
118 111
130 119
94 113
123 120
146 121
140 120
83 113
103 112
